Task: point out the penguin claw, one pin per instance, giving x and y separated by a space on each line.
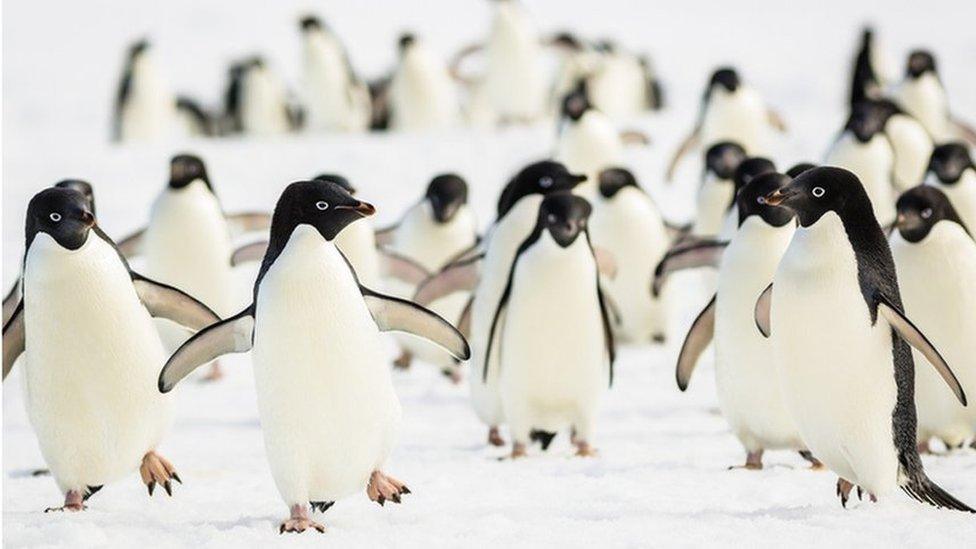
151 486
383 488
168 488
154 470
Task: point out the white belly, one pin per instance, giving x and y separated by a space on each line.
912 147
149 112
263 104
91 363
332 101
588 146
514 83
618 88
740 118
925 99
422 94
962 194
358 243
328 410
714 198
872 163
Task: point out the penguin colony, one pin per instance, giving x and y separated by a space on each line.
841 315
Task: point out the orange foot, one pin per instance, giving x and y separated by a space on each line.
73 501
299 521
155 469
383 487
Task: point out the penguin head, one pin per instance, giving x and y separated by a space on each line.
325 205
748 170
576 102
611 180
919 63
185 169
310 23
820 190
406 40
564 215
920 208
949 161
751 200
338 180
799 168
62 213
539 178
867 119
568 41
723 158
83 187
724 78
605 45
447 193
138 48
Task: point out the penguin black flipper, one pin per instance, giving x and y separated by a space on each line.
249 252
703 253
914 337
246 222
401 267
699 336
499 310
162 300
233 335
11 301
393 313
14 338
761 312
131 246
457 277
608 338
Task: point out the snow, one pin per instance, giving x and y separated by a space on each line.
660 477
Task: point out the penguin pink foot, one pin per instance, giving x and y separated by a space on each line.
215 373
383 487
73 501
299 521
155 469
403 361
495 437
518 450
815 464
844 488
753 462
583 449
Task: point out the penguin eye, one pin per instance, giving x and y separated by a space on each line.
322 205
926 213
55 217
551 218
761 199
818 191
545 182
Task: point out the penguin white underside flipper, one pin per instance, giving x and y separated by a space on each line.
699 336
697 254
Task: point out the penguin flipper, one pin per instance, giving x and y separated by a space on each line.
775 120
393 313
167 302
689 143
462 276
699 336
131 246
606 262
401 267
233 335
701 253
249 252
384 236
246 222
761 312
464 321
14 338
608 338
914 337
11 301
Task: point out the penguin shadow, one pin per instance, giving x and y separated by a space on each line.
28 473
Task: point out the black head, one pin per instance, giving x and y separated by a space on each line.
539 178
613 179
723 158
324 205
567 40
751 200
919 63
821 190
564 215
446 194
920 208
406 40
949 161
83 187
576 102
799 168
748 170
726 77
867 119
605 45
310 23
185 169
338 180
62 213
138 47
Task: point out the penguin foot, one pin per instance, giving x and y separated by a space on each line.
495 437
155 469
815 464
73 501
383 487
214 374
299 521
403 361
583 449
518 450
844 488
452 373
753 462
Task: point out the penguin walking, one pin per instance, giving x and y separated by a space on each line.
551 330
335 98
317 352
935 258
91 352
951 169
628 224
841 341
922 95
422 95
746 380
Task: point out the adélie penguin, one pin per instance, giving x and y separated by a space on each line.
922 95
951 169
746 380
422 94
935 257
551 330
717 189
91 352
335 98
841 340
317 353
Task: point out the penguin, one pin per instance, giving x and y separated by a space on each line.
317 351
628 224
145 108
588 141
922 95
870 74
717 190
91 352
840 339
484 273
935 259
863 148
730 111
422 95
951 169
555 347
264 105
910 143
746 171
623 85
187 242
576 60
746 380
431 233
336 98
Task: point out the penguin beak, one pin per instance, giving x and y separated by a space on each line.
779 197
444 210
364 209
88 218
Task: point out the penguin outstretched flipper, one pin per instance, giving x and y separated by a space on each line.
699 336
393 313
233 335
761 313
702 253
245 222
249 252
400 267
14 338
131 245
460 276
162 300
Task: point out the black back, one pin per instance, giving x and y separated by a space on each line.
920 208
864 83
538 178
949 161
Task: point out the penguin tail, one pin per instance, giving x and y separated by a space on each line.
920 488
542 437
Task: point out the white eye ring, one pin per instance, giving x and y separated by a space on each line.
818 191
55 217
322 205
761 199
545 182
926 213
551 218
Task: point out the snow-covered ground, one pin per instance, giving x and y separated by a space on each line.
660 477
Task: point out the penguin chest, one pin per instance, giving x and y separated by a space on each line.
590 145
925 99
714 198
912 147
422 93
962 194
358 243
739 117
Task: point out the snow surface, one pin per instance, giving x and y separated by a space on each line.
660 477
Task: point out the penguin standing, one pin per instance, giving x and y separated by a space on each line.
841 341
317 352
264 104
551 331
951 169
422 94
623 85
921 94
335 98
627 223
935 257
588 141
91 351
717 189
145 108
746 380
